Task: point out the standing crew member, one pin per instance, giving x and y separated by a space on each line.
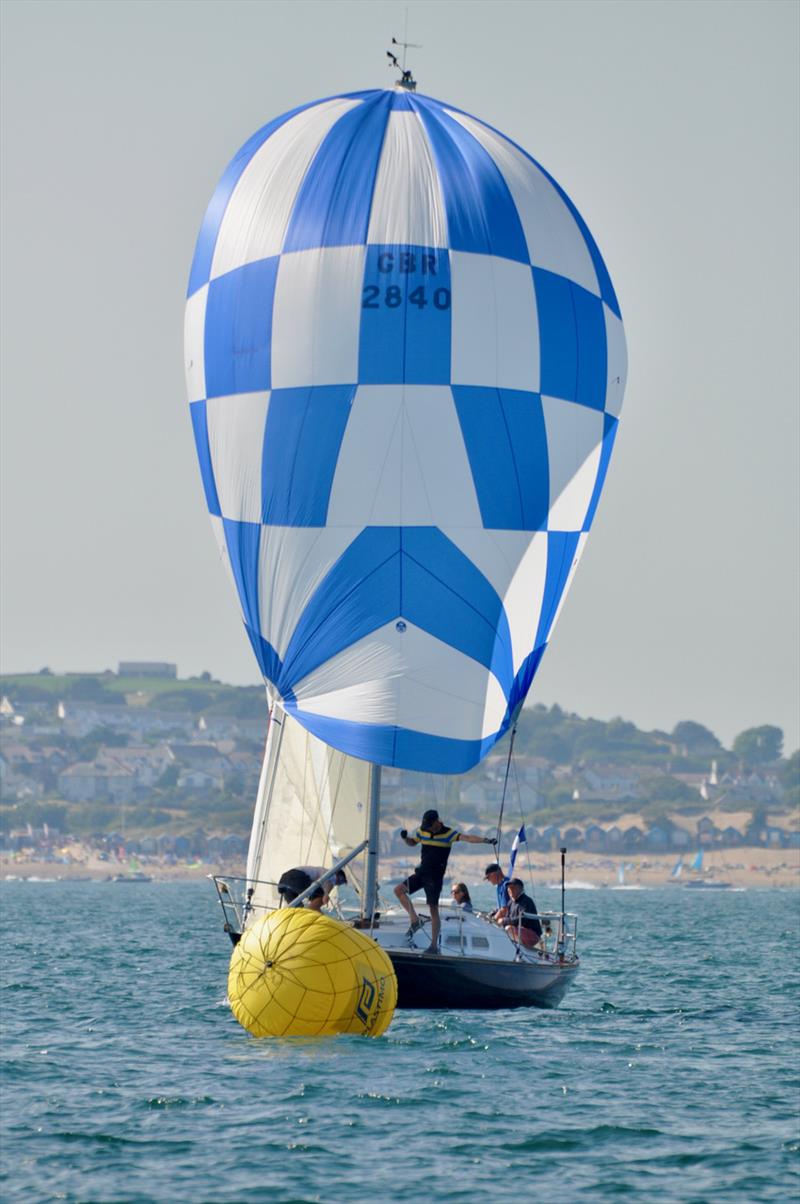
436 841
499 880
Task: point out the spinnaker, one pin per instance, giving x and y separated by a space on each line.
405 361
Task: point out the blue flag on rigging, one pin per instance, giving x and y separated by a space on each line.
519 839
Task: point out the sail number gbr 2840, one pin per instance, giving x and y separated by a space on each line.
406 263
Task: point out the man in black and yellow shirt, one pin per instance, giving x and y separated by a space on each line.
436 841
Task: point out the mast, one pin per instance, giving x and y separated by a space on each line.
373 832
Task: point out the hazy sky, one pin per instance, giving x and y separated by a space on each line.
674 128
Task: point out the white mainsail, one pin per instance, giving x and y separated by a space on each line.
312 808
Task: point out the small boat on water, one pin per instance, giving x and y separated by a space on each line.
700 883
131 876
621 883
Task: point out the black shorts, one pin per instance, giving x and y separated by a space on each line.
431 886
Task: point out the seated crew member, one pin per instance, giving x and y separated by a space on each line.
519 923
317 899
294 881
494 874
461 896
436 841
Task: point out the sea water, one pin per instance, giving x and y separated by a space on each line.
670 1072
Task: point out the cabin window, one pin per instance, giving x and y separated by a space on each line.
480 942
455 940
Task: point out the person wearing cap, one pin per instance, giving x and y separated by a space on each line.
436 841
520 922
494 874
294 881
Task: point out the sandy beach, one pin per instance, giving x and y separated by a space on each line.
740 867
745 867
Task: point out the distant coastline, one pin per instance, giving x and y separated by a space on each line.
746 868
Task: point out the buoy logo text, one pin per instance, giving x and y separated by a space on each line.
365 1000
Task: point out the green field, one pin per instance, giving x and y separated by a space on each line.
193 695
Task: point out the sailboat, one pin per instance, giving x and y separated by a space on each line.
703 883
318 806
405 362
621 883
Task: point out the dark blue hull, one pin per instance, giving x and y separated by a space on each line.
433 981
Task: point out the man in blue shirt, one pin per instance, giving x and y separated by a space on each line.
499 880
436 840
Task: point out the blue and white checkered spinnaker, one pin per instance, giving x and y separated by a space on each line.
405 363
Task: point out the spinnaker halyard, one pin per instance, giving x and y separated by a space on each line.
405 363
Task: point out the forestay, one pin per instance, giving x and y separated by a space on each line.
311 808
405 362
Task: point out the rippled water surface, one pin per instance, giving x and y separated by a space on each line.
670 1072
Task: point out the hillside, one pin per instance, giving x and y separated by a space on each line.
156 754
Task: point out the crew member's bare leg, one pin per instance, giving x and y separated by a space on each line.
405 901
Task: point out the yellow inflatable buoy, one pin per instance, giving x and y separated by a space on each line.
298 973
